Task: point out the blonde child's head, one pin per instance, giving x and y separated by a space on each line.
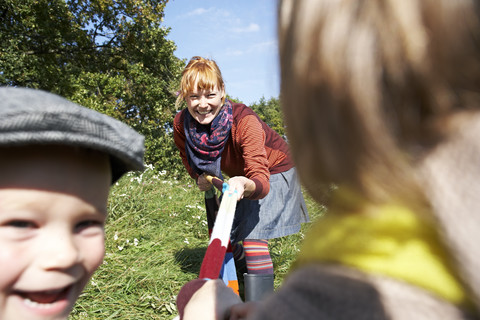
369 86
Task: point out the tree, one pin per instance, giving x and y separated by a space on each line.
108 55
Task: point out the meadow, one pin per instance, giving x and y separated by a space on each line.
156 236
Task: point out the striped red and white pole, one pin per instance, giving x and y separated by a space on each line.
214 258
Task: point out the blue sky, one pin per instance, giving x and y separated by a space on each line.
240 35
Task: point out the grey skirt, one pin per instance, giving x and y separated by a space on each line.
279 214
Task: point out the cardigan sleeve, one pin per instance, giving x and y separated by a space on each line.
251 136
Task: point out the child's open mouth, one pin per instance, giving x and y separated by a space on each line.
46 302
46 297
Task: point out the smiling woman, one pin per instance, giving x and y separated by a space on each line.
215 135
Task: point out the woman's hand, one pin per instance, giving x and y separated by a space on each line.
243 185
202 183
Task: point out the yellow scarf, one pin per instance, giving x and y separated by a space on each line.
388 240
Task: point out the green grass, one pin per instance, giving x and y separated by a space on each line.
156 236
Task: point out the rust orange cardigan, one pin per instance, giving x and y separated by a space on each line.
253 149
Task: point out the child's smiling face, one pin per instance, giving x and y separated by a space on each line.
52 213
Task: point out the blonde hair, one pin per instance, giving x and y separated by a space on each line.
203 73
365 85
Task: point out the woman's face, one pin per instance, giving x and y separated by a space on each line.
204 105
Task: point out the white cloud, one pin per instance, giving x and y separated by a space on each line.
214 12
234 52
267 45
255 48
252 27
198 12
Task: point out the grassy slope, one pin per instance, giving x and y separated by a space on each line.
156 236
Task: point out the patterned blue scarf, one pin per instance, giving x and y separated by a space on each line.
205 143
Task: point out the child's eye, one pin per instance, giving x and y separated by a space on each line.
18 229
20 224
88 224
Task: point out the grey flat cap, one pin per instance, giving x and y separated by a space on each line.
34 117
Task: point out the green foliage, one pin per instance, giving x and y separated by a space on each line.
156 237
108 55
270 112
235 100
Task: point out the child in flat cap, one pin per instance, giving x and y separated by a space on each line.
57 162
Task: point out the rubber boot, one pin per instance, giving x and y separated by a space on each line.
257 286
